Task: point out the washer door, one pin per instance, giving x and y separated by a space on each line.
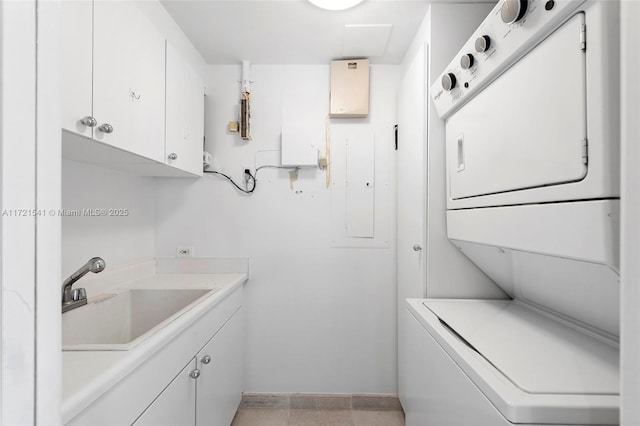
527 129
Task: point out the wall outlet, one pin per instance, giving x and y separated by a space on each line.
184 252
207 160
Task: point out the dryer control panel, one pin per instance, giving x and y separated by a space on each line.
512 29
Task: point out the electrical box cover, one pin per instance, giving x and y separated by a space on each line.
350 88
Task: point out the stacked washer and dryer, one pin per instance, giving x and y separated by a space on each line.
531 108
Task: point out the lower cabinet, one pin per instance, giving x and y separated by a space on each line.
209 389
174 406
219 387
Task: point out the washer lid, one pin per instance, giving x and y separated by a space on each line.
538 354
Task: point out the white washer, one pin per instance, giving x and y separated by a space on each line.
482 362
531 109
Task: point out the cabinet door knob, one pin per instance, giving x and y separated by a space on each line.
194 374
173 156
89 121
106 128
205 359
417 247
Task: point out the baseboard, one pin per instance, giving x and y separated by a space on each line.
373 402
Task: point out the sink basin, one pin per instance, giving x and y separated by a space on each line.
124 320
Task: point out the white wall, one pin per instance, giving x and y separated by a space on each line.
118 240
319 319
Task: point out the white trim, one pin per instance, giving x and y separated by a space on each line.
630 231
48 382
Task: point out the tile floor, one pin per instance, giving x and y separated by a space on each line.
252 416
318 410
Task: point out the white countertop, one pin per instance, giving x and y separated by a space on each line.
86 375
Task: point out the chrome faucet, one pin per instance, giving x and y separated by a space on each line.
78 297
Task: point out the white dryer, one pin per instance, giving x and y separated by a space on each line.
532 107
531 110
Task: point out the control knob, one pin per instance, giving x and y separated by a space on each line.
467 61
448 81
483 43
513 10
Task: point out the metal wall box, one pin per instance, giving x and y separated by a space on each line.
349 88
299 144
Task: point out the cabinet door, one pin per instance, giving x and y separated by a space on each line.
221 381
129 77
76 50
185 114
175 405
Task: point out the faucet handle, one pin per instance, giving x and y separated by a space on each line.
79 294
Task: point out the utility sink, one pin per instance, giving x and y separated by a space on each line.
122 321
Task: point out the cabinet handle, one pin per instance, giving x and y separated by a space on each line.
417 247
89 121
173 156
194 374
106 128
205 359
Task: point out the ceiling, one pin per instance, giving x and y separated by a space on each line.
295 31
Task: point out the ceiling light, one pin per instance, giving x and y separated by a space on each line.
335 4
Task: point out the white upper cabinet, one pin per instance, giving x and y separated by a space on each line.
77 50
135 108
128 79
185 113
